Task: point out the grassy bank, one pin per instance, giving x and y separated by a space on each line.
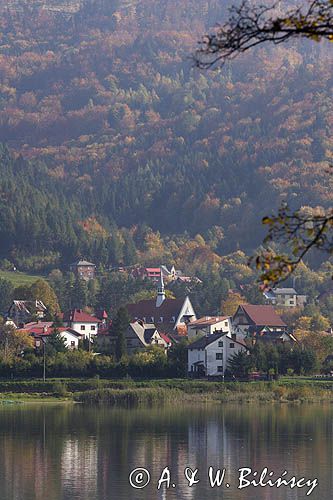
127 392
185 392
19 279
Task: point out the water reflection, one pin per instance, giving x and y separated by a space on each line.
71 452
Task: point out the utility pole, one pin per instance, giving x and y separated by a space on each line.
44 360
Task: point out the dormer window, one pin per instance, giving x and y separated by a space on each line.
173 319
152 319
161 319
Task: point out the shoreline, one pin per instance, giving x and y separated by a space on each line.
127 393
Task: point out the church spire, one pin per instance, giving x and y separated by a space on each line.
160 291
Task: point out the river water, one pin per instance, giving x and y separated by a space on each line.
55 451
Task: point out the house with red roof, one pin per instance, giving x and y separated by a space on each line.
259 321
41 330
83 323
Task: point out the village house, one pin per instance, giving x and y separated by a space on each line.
43 329
23 311
169 276
150 273
208 325
83 323
169 315
138 336
209 355
285 297
252 321
172 316
84 270
71 337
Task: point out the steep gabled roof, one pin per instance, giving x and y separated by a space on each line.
83 263
170 308
262 315
79 316
203 342
29 306
144 331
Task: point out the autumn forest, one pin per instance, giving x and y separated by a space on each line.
116 148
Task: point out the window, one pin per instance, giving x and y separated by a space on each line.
82 327
93 327
161 319
220 368
219 355
220 344
231 345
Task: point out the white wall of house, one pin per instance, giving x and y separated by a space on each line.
195 356
286 300
215 356
71 341
86 329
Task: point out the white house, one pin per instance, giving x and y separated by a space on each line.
208 325
285 297
82 323
42 330
209 355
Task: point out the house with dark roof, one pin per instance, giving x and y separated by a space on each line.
257 320
208 325
171 316
82 322
84 270
22 311
138 336
209 355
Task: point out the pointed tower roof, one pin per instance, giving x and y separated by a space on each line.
160 292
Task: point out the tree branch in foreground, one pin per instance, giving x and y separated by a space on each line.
249 26
301 232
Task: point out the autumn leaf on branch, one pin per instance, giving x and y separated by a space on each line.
299 231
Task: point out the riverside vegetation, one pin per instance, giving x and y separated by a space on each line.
128 393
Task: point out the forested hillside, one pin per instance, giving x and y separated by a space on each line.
111 131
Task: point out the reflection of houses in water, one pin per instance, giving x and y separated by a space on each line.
79 466
212 439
